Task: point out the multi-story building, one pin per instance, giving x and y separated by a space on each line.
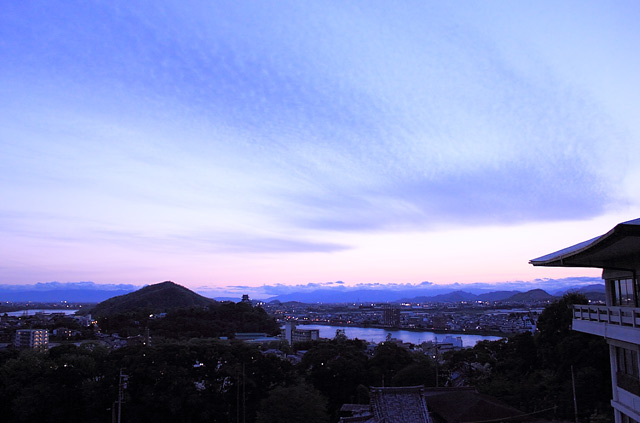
293 334
32 338
391 316
617 253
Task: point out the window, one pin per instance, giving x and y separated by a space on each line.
628 362
623 292
628 374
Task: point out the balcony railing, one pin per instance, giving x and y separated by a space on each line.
620 316
629 383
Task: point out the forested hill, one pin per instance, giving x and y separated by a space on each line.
185 314
157 298
533 295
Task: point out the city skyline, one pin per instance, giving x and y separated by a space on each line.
221 144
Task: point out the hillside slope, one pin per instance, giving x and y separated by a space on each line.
157 298
532 295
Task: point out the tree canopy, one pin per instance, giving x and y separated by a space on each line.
534 372
185 375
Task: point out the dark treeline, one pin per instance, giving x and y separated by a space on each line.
212 321
203 379
533 373
200 380
196 381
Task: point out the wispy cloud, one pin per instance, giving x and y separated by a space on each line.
65 286
300 128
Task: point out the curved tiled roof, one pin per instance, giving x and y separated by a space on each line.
618 248
399 405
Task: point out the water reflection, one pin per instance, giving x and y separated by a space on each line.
378 335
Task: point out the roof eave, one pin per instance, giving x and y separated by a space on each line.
570 256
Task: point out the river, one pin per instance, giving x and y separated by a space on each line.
378 335
33 311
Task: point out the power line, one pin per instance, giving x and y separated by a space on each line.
512 417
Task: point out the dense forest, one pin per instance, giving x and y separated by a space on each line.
534 373
185 375
220 319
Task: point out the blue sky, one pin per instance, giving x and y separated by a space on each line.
224 143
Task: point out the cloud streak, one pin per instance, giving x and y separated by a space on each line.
227 129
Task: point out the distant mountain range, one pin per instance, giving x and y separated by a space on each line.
592 292
457 296
78 292
533 295
432 293
94 293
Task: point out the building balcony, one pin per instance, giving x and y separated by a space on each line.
620 323
628 383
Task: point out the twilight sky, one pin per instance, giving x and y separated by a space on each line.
218 143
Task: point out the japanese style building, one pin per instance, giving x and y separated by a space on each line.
408 404
617 253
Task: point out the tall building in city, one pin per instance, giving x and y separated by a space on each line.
391 316
32 338
617 253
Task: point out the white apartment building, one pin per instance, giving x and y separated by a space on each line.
32 338
293 335
617 253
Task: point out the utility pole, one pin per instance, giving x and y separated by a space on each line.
437 382
122 385
238 396
575 401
